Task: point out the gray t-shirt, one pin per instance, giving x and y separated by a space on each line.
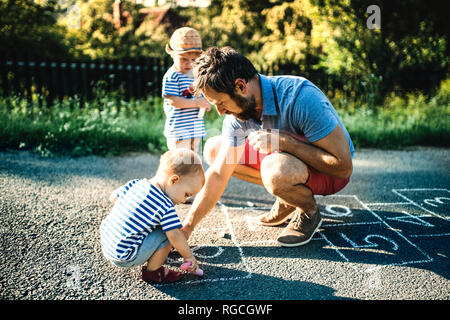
290 104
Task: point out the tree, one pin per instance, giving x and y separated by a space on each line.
409 51
28 28
97 36
274 35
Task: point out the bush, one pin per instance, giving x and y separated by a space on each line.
401 122
109 125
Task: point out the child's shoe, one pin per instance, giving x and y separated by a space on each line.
160 275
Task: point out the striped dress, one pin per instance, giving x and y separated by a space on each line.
139 209
181 123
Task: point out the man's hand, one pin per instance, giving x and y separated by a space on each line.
265 141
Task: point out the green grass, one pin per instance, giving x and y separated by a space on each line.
111 126
401 122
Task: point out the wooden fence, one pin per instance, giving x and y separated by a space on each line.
50 80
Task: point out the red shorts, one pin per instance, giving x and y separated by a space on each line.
319 183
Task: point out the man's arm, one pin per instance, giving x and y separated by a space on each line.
217 177
330 155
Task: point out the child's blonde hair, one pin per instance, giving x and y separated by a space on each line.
181 162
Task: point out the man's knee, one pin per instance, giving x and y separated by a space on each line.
280 171
211 149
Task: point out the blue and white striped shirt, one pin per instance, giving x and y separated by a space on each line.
181 123
140 208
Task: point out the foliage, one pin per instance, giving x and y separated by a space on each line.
400 122
29 28
96 37
110 126
102 127
409 51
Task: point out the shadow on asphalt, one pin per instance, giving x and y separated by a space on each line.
256 287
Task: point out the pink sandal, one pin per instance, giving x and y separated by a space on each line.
159 275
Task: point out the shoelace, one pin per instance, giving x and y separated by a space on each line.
275 211
297 220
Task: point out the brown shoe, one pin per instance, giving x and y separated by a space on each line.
301 229
277 215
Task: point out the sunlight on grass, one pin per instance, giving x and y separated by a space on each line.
110 126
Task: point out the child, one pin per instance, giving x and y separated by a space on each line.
143 224
184 127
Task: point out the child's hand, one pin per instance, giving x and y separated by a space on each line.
203 103
194 263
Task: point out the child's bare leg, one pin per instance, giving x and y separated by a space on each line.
195 145
158 258
192 144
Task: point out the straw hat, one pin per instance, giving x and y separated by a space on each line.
184 40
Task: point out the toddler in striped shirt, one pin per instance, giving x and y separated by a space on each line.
184 126
143 224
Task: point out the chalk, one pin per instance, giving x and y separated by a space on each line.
185 267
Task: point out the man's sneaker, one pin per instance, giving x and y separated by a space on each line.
277 215
301 229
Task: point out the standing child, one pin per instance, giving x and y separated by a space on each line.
143 224
184 127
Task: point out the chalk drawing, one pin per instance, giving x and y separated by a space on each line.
436 201
370 244
202 256
337 210
409 218
399 193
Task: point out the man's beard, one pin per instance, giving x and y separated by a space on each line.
248 105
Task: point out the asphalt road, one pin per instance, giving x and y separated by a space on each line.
385 236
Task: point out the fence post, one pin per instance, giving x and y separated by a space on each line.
28 83
139 77
133 77
38 79
116 80
16 74
59 81
4 71
70 83
152 76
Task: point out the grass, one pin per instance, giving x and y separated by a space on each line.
414 120
110 126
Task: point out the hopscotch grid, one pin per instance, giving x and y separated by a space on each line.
336 249
381 221
398 192
430 235
224 210
349 224
366 206
429 259
374 204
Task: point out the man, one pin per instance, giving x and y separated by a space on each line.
286 124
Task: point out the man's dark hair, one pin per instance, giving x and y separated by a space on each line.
219 68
